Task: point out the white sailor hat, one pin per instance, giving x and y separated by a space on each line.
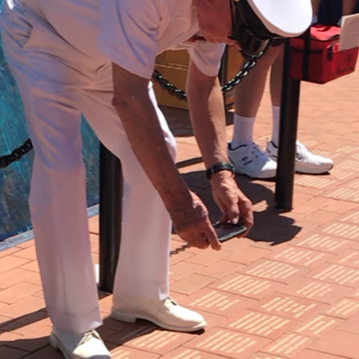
285 18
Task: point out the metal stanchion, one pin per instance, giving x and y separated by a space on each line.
111 190
287 136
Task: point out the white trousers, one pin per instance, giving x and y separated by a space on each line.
57 83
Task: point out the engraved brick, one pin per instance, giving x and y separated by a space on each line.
341 229
247 286
335 273
316 290
318 325
289 345
217 302
274 270
300 256
228 343
344 309
289 306
324 243
261 324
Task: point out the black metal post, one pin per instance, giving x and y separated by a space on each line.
287 136
111 190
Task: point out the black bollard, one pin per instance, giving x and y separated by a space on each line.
111 190
287 136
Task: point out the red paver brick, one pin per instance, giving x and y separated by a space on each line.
24 306
337 274
291 307
130 353
228 343
247 286
304 257
336 342
274 270
27 253
318 325
183 269
310 354
325 243
17 292
261 324
9 251
344 308
316 290
220 269
31 266
14 276
10 353
26 244
7 338
209 257
348 258
341 229
289 345
151 339
217 302
94 224
10 262
191 284
265 356
187 353
248 255
350 325
45 353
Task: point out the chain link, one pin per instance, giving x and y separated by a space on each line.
16 155
19 152
229 86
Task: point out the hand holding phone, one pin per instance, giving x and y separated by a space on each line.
227 231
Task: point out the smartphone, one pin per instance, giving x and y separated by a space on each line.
227 231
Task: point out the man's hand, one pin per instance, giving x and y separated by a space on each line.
235 206
193 225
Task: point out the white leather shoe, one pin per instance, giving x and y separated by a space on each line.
79 346
166 314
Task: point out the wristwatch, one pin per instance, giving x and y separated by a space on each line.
218 167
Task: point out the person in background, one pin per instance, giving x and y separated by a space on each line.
247 157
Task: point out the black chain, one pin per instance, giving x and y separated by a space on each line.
16 154
229 86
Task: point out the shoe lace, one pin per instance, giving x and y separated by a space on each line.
88 336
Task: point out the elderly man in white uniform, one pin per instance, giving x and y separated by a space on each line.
96 57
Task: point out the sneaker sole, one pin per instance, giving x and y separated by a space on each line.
132 317
313 171
56 344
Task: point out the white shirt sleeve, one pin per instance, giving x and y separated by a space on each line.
128 34
207 57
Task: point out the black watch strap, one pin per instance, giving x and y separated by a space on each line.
218 167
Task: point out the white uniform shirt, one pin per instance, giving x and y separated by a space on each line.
131 33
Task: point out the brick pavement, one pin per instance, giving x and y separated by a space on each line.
288 290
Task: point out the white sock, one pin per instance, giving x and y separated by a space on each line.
242 131
315 19
275 124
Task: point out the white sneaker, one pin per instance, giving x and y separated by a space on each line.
166 314
252 161
79 346
305 161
